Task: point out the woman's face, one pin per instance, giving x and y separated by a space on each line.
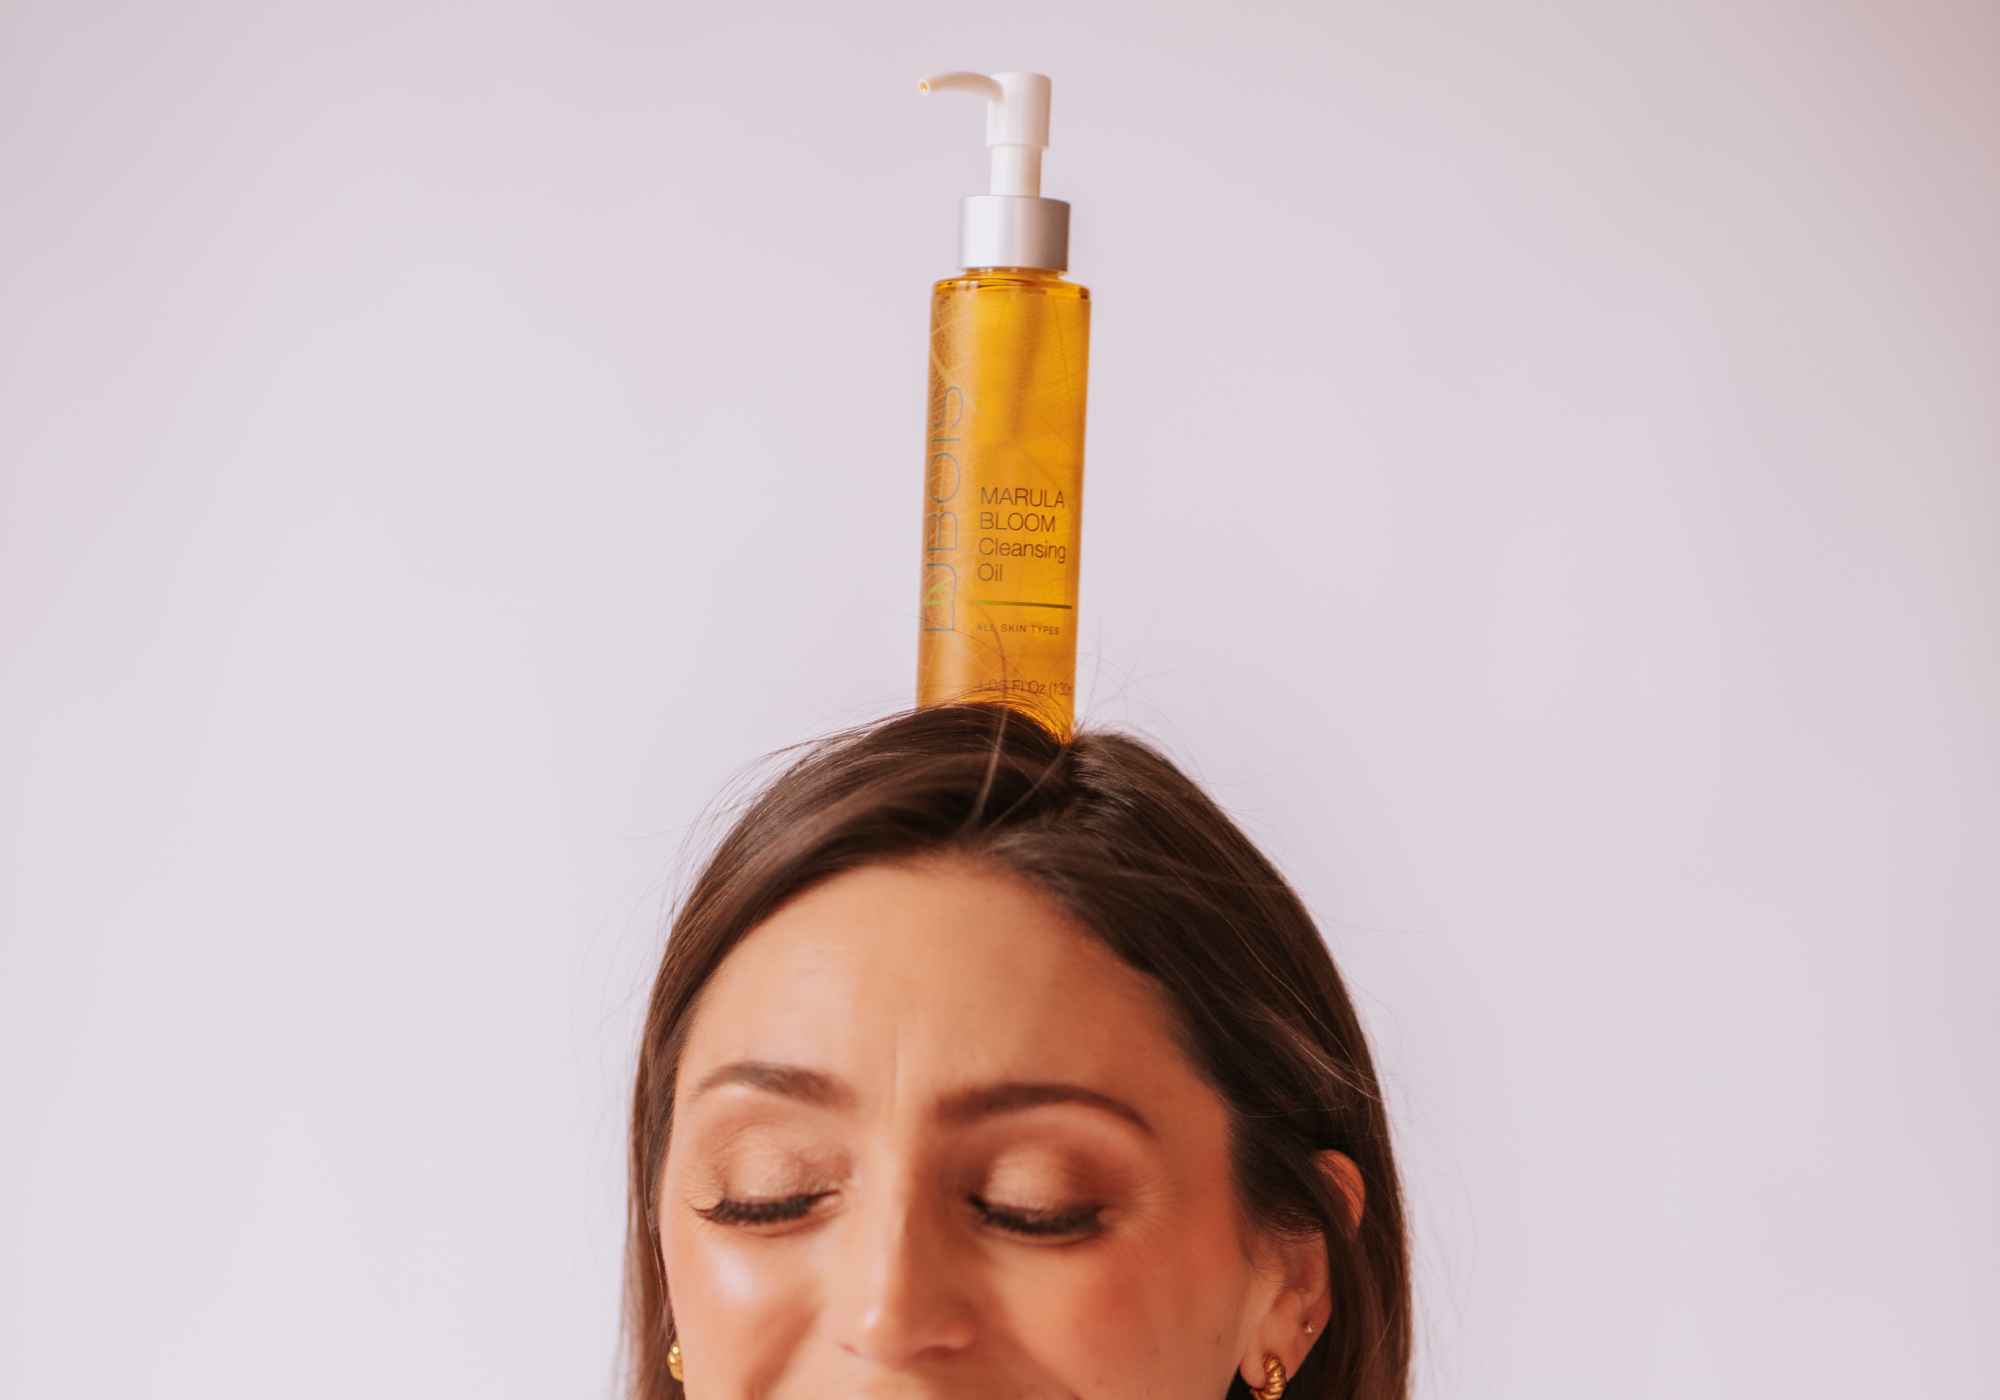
930 1140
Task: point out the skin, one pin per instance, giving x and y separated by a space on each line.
930 1139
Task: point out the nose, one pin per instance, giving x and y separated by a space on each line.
901 1297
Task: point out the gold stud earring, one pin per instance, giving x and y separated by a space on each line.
1274 1380
1309 1329
674 1360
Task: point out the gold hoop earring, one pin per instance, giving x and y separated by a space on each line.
674 1360
1274 1380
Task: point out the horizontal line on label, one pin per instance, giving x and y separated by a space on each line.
1012 603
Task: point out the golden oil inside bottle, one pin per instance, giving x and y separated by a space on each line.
1003 492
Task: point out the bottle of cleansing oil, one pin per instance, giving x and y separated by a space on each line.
1003 484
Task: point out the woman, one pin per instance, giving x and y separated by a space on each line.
982 1064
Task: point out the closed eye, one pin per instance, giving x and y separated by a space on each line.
1040 1224
767 1212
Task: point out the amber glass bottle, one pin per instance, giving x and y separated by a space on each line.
1003 492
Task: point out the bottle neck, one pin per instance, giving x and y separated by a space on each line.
1004 230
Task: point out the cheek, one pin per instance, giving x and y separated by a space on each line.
741 1304
1156 1310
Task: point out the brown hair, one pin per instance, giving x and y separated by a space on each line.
1145 861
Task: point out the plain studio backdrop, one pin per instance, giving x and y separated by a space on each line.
1544 477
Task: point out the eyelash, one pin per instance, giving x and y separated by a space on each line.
1083 1220
728 1212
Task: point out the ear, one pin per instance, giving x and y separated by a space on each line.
1299 1311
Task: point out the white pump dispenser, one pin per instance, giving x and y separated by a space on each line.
1013 226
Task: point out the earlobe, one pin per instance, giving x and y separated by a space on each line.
1345 1177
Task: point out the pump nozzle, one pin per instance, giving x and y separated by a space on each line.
1014 233
1017 124
961 82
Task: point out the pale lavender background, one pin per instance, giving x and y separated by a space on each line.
1545 474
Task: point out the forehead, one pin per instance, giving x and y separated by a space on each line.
899 978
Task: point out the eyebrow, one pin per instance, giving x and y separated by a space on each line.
786 1081
971 1105
967 1106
